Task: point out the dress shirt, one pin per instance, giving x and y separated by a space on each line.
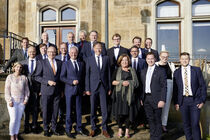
188 79
116 52
70 45
140 53
55 64
25 51
149 74
29 64
62 57
100 57
132 60
72 61
44 56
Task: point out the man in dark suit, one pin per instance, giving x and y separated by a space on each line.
43 52
148 48
29 66
63 56
138 64
48 74
45 40
97 83
137 42
71 43
82 37
18 55
87 49
189 93
72 74
154 95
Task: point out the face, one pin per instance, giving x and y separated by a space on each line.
124 62
18 69
150 60
24 43
164 57
93 36
45 37
51 52
70 38
137 42
43 50
148 44
31 52
82 36
134 52
73 53
116 40
184 60
97 49
63 49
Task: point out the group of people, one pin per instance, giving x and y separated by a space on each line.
133 84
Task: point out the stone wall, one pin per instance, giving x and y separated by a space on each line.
3 15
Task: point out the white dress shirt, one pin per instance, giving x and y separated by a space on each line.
149 74
72 61
29 64
43 56
132 60
140 53
116 52
188 79
100 59
55 64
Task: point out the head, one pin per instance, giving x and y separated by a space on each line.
51 52
82 35
137 41
43 49
150 58
184 59
93 36
32 52
148 43
73 52
124 61
116 39
17 68
134 51
164 56
25 43
70 37
63 48
45 37
97 47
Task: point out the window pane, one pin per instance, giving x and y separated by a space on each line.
64 34
168 36
51 35
201 7
49 15
201 41
168 9
68 14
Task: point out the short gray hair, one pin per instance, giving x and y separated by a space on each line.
74 47
83 31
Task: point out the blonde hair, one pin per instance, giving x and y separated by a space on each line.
17 63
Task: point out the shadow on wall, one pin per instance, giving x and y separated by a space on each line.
84 26
1 54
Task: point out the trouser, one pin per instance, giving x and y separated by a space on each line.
166 108
15 114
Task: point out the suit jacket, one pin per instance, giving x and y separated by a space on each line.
59 57
44 73
197 82
145 51
82 43
94 77
86 50
38 49
39 57
34 86
68 75
17 56
158 84
113 61
75 44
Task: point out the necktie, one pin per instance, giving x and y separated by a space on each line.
116 47
98 63
53 67
25 54
44 56
92 51
134 64
64 58
81 44
75 66
32 66
186 82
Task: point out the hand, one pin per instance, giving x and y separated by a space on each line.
84 93
24 102
109 92
75 82
40 94
1 71
141 102
115 83
200 105
177 107
11 104
88 93
125 83
62 94
51 83
161 104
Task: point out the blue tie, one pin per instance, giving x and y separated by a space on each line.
76 68
32 66
134 64
64 58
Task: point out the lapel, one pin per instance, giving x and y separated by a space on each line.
180 77
72 67
154 74
94 62
144 74
48 63
193 75
103 62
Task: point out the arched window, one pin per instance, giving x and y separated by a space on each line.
168 9
68 14
201 7
49 15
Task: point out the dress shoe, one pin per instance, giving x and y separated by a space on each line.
81 133
70 135
26 130
55 133
92 133
106 134
46 133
